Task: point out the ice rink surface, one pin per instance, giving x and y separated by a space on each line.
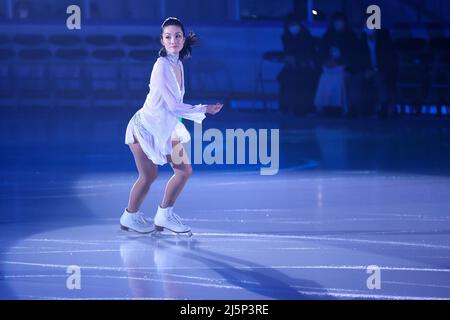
310 232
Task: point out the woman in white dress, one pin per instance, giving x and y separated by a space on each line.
155 133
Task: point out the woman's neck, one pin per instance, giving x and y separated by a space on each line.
173 58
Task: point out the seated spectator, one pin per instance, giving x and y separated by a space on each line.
22 9
337 60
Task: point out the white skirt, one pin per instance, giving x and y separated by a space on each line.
157 152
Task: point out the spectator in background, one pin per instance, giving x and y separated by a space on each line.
377 72
22 9
336 53
298 77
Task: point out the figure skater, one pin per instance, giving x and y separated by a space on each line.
155 133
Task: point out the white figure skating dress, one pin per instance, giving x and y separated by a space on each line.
157 123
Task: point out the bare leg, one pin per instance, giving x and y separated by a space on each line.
148 171
182 170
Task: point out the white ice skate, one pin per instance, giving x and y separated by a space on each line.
167 219
135 222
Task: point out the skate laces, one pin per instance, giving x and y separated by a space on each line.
140 219
174 217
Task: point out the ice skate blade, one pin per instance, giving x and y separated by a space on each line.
159 229
159 234
132 230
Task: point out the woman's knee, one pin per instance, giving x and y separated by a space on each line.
184 171
148 177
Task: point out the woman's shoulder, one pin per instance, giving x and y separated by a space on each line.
160 64
160 61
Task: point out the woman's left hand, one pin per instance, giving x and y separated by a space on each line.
214 108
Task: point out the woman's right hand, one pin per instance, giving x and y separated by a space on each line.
214 108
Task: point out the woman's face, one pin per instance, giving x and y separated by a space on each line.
173 39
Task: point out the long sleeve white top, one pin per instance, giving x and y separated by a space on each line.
164 103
